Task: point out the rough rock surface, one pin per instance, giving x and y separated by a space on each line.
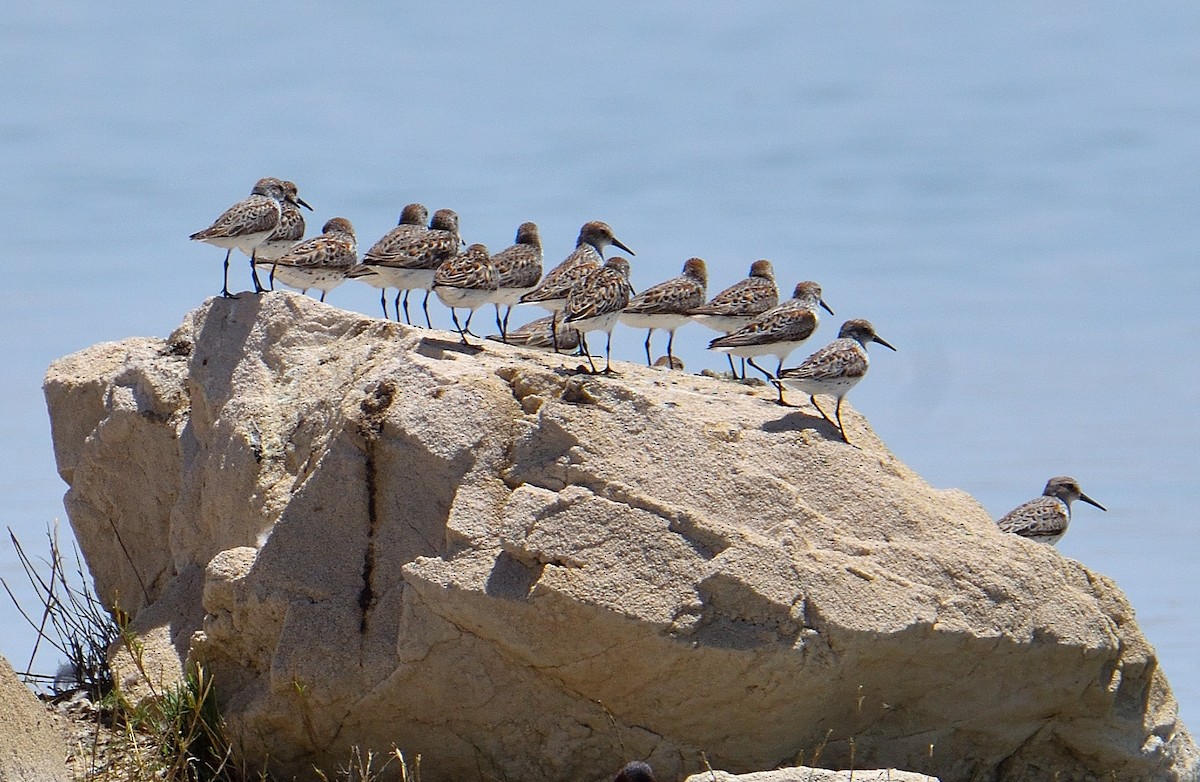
373 537
31 748
807 774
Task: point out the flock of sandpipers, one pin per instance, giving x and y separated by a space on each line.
584 293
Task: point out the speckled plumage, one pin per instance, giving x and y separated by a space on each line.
412 221
778 331
596 304
290 229
520 268
742 302
246 224
410 258
587 256
542 333
320 262
468 280
1045 519
834 369
666 305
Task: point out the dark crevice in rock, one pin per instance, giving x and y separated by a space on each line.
373 406
366 597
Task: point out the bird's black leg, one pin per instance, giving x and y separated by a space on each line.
760 369
225 284
425 306
258 288
608 370
584 347
649 333
462 333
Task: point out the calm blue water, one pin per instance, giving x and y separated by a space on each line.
1009 194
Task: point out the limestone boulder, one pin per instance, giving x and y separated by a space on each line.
373 536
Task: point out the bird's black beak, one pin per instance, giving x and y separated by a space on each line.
1090 501
826 306
301 202
883 342
617 242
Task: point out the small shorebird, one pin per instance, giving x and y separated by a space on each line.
740 303
669 362
540 334
596 304
467 280
635 771
1045 518
412 221
290 230
410 258
551 293
246 224
520 268
778 331
834 369
666 305
320 262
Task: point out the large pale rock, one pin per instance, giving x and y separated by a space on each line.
373 537
31 748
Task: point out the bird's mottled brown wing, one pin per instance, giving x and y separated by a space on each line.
782 324
604 292
249 216
560 281
325 251
519 266
1043 517
840 358
677 295
752 296
467 271
424 250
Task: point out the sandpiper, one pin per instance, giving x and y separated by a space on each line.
834 369
468 280
596 304
1045 518
290 230
520 268
666 305
540 334
320 262
410 259
778 331
246 224
669 362
551 293
740 303
412 221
